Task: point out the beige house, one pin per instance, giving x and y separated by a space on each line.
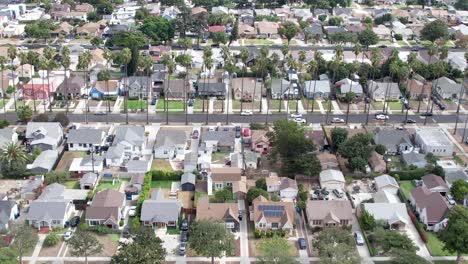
329 213
268 215
246 89
260 142
25 71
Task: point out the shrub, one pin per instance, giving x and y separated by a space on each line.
419 227
157 175
144 194
121 222
409 175
316 229
256 126
51 239
4 123
101 230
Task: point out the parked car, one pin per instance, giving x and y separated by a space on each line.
296 115
185 225
337 120
450 199
126 232
359 238
75 221
195 134
409 121
299 120
99 113
182 248
427 114
302 243
153 101
132 211
68 235
339 193
184 236
246 113
381 117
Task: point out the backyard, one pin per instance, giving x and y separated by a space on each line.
108 184
161 164
406 187
161 184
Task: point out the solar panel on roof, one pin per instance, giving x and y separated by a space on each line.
271 207
273 213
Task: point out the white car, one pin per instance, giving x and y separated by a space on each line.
450 199
299 120
246 113
381 117
337 120
68 235
296 115
132 211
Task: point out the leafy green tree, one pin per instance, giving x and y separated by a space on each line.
357 164
380 149
8 256
357 150
276 250
253 193
387 240
435 30
93 16
62 119
39 29
338 136
459 189
128 39
455 234
185 43
57 177
288 30
25 113
336 246
367 221
158 29
51 239
219 37
211 239
222 196
25 238
96 41
261 184
142 13
235 32
145 249
104 8
84 244
431 158
461 5
406 257
367 38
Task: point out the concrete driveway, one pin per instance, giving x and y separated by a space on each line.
412 233
362 250
171 244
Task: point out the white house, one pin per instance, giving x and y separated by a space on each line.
386 183
132 138
435 141
169 143
84 139
8 212
430 207
332 179
115 156
288 189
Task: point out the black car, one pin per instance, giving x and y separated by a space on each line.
75 221
185 225
302 243
153 101
184 236
427 114
126 232
409 121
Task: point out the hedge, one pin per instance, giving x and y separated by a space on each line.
419 227
157 175
51 239
144 194
368 244
268 233
409 175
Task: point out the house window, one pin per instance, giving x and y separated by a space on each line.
316 222
94 223
219 185
56 222
80 145
274 226
229 184
171 223
165 152
71 145
344 222
229 225
262 225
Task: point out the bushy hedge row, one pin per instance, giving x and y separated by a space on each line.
144 194
409 175
269 233
100 229
372 250
157 175
419 226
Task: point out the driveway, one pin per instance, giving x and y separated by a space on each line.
171 244
243 233
414 235
362 250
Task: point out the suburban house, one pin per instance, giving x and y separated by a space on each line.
178 90
259 141
452 176
115 156
347 85
25 71
226 213
417 89
317 89
447 88
132 138
377 163
266 29
44 162
386 183
158 80
160 212
285 187
414 158
71 87
106 209
435 141
248 88
329 213
32 187
100 89
187 182
212 88
44 135
88 181
38 89
332 179
220 140
284 89
395 214
328 161
8 212
395 141
137 86
435 183
220 178
169 143
383 90
135 185
430 207
88 163
383 32
268 215
85 139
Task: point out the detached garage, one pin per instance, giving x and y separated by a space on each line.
187 181
332 179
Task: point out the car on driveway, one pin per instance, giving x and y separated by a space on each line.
359 238
302 243
339 193
184 236
185 225
182 248
246 113
132 211
75 221
450 199
337 120
68 235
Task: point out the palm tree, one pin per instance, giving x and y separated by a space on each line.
170 65
431 51
43 66
357 49
49 54
13 152
302 58
244 55
207 63
12 53
125 57
146 64
334 66
440 69
66 64
230 68
375 61
105 75
312 68
23 56
185 60
32 59
84 60
350 96
465 76
108 56
412 60
3 60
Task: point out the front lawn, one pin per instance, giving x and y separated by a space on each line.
394 106
107 184
179 105
257 42
406 187
135 104
435 246
161 184
402 43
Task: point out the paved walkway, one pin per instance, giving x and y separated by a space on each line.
300 107
244 240
336 108
37 249
117 105
210 106
265 106
320 105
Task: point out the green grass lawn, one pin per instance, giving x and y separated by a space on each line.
426 42
412 42
161 164
325 104
274 105
72 184
135 104
436 246
198 104
107 184
406 187
161 184
384 42
377 105
394 106
402 43
219 156
236 105
114 237
172 104
257 42
173 231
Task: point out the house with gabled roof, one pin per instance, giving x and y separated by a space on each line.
220 178
170 143
435 183
8 212
332 179
84 139
106 209
259 141
268 215
387 183
329 213
45 135
159 211
395 141
226 213
383 90
447 88
431 208
132 138
395 214
44 162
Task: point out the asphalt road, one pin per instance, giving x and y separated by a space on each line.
236 118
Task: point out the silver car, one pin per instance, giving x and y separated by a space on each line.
359 238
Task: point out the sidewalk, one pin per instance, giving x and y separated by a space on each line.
37 249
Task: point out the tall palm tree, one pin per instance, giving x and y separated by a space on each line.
412 60
312 68
12 52
185 60
49 54
302 58
376 56
334 66
43 66
3 60
262 66
105 75
23 56
84 60
230 68
170 65
32 59
146 64
465 76
207 63
350 96
226 55
357 49
13 152
440 69
108 56
125 57
66 65
431 51
244 55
